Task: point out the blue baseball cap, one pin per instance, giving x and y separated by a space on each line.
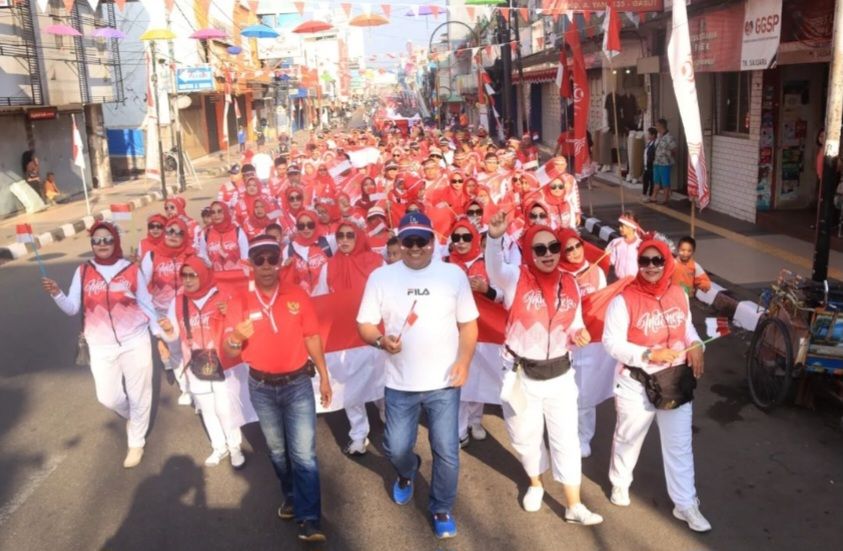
415 224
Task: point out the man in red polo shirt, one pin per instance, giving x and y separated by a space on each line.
274 327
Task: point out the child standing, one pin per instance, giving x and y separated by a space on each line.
688 274
649 160
623 250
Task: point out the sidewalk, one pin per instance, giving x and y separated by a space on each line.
65 220
743 257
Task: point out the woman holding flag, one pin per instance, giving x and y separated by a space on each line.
544 322
648 330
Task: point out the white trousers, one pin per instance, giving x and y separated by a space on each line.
586 426
635 414
552 403
358 419
471 413
130 365
216 416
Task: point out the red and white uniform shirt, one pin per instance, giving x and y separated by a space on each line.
112 313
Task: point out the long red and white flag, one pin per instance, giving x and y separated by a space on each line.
78 149
611 31
685 88
582 158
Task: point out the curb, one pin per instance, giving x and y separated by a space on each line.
742 313
14 251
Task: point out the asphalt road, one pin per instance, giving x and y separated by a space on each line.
766 481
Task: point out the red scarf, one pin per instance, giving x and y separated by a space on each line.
473 253
149 242
350 271
658 288
206 277
301 240
226 225
186 246
259 223
548 282
117 253
564 235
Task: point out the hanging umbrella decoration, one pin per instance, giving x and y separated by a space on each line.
234 50
204 35
370 20
60 29
312 26
259 31
109 32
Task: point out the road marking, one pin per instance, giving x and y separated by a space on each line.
745 240
35 480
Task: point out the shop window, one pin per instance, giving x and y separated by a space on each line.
733 103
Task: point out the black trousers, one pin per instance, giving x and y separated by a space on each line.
647 179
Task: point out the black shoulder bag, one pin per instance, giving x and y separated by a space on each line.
204 364
668 388
83 353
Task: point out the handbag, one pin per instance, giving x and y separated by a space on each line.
668 388
205 364
83 353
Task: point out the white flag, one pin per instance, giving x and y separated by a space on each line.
78 146
685 89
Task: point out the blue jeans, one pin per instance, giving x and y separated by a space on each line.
287 415
402 427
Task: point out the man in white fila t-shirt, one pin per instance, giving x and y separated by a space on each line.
430 330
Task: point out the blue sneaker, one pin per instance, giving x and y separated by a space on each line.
444 526
402 490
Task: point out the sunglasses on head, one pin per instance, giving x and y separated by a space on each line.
301 226
474 212
271 259
538 216
174 232
155 226
105 240
573 247
644 261
457 237
189 275
295 197
349 235
542 250
419 242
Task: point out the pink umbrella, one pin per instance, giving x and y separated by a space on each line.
61 30
108 32
208 34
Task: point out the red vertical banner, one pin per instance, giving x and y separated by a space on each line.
582 159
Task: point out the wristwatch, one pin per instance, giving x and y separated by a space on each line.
646 355
378 342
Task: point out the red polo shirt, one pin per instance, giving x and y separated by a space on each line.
281 324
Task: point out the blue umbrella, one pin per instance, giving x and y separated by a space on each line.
234 50
259 31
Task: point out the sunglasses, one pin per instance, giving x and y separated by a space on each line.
573 248
301 226
174 232
656 261
191 275
349 235
538 216
296 197
217 211
557 186
419 242
474 212
552 248
155 226
107 240
271 259
457 237
457 181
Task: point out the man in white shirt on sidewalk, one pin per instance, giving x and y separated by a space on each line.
430 331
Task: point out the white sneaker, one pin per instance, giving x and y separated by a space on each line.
357 447
620 496
237 457
696 521
215 458
133 458
579 514
478 432
185 399
532 501
585 450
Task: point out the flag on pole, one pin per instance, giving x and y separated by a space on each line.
717 327
563 79
121 212
152 161
410 320
611 31
78 149
24 233
582 158
487 83
685 89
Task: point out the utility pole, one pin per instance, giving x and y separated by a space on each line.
157 93
506 64
833 121
525 124
175 124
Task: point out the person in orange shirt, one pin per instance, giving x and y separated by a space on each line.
688 274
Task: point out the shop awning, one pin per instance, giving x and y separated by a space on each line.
536 76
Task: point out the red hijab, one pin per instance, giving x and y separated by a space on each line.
226 225
301 240
474 252
291 190
186 245
206 277
548 282
564 235
153 242
117 253
179 203
259 223
658 288
350 271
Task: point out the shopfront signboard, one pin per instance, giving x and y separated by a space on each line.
762 27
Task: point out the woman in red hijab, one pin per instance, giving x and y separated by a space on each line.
452 196
176 207
258 219
539 391
245 204
308 254
648 330
558 196
195 324
154 234
224 245
292 206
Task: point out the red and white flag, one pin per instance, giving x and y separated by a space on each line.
78 150
412 317
582 158
685 89
24 233
121 212
487 83
563 79
717 327
611 31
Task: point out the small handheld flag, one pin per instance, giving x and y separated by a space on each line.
410 320
121 212
714 329
24 234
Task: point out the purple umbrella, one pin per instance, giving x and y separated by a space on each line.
108 32
208 34
234 50
61 30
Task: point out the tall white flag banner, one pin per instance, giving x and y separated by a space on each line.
685 88
78 150
152 161
762 29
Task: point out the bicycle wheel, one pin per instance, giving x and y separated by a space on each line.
769 365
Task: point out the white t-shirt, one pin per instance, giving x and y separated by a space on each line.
429 347
263 166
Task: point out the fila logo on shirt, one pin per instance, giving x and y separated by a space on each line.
418 292
655 321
